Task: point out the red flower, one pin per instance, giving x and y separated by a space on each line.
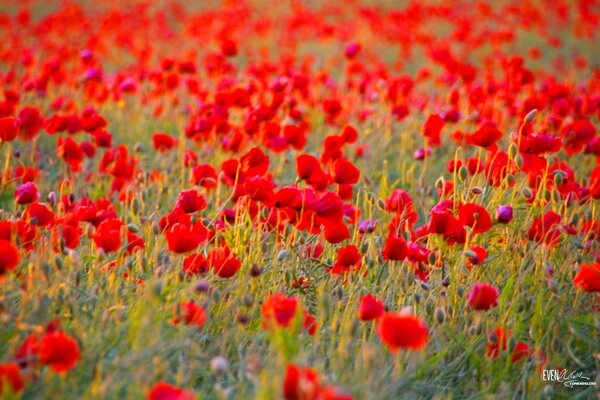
189 313
70 152
9 128
278 310
475 216
163 142
432 129
9 257
38 214
309 170
195 264
27 193
396 248
480 255
401 203
344 172
191 201
347 257
486 136
300 383
224 262
546 229
588 277
402 331
108 235
31 123
164 391
183 238
483 297
204 175
10 376
370 308
59 351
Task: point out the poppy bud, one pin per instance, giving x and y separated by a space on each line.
255 270
339 292
51 199
519 161
530 116
439 183
512 343
17 154
440 315
283 254
446 282
462 173
476 190
527 193
431 258
157 288
510 179
381 204
512 150
492 338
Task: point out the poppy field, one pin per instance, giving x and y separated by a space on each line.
299 200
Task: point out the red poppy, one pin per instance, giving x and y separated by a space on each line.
475 216
196 264
370 308
9 128
204 175
59 351
546 229
309 170
344 172
480 255
70 152
38 214
191 201
108 235
9 257
189 313
224 262
483 297
432 129
402 331
10 379
27 193
300 383
183 238
588 277
396 248
278 310
165 391
486 136
32 123
348 260
163 142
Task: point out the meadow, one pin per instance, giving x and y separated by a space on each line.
299 200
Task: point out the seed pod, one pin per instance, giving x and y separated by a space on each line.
440 315
530 116
519 161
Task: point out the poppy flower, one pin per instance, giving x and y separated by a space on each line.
432 129
545 229
9 128
300 383
204 175
108 235
401 203
189 313
70 152
309 170
483 297
27 193
10 379
396 248
352 50
344 172
39 214
196 264
348 259
475 216
497 343
32 123
191 201
588 277
224 262
165 391
504 214
370 308
9 257
486 136
278 310
402 331
59 351
162 142
480 255
183 238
